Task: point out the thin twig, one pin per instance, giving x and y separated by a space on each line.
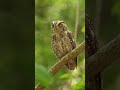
39 87
77 19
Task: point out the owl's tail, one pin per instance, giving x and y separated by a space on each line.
72 64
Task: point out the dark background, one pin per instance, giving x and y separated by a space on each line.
17 44
106 18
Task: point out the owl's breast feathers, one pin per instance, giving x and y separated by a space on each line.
62 44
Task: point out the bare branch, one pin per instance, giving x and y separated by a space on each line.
75 52
39 87
104 57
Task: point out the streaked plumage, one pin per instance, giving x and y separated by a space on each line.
63 42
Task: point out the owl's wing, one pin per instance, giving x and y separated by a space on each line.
70 36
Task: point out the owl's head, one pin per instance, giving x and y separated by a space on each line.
59 26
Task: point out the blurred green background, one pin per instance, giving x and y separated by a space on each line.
106 17
47 11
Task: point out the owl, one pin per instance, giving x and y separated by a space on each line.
91 47
63 42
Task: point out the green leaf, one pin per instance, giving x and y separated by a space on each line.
42 76
83 29
65 76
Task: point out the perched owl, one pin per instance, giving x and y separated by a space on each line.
91 47
63 42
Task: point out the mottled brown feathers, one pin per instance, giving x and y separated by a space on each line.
63 42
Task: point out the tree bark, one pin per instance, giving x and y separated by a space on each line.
103 58
91 47
98 60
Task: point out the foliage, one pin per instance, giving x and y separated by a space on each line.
115 10
47 11
42 76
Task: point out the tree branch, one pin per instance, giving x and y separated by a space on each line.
75 52
104 57
56 67
100 60
39 87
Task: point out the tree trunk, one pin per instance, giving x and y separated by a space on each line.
91 47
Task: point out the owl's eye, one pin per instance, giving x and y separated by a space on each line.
52 26
60 25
